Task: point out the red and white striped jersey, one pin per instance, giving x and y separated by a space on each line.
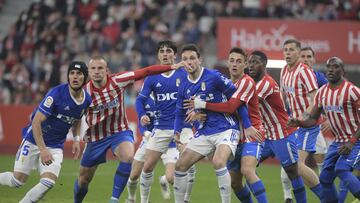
106 114
246 92
297 83
272 109
339 105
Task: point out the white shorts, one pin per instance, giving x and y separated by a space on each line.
186 135
321 147
206 145
159 140
171 155
28 158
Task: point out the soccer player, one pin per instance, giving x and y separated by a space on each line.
248 151
298 85
43 139
340 101
218 135
108 126
280 140
164 88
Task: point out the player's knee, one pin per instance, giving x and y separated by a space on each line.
170 178
179 166
247 171
218 163
84 179
292 171
236 184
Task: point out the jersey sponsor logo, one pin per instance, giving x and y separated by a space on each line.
289 89
158 85
166 97
336 109
66 119
48 101
113 104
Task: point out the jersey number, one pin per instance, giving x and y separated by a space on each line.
25 150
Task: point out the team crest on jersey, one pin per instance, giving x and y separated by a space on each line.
203 86
177 82
48 101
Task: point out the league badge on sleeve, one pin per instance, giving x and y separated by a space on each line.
48 101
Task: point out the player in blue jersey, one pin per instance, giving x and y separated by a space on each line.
43 139
164 88
217 136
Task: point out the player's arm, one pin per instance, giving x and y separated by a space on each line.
180 115
76 137
141 102
155 69
45 156
307 76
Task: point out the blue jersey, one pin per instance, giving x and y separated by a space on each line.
212 87
61 110
151 112
320 78
165 90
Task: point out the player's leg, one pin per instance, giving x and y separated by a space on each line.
226 144
250 156
306 141
344 167
185 137
169 159
328 175
94 154
321 149
241 191
136 168
48 177
286 185
157 145
25 159
123 148
197 149
343 190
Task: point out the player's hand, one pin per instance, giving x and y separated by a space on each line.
188 104
345 148
46 157
144 120
76 149
293 122
177 141
252 133
195 103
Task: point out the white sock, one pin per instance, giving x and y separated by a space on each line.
7 178
190 182
146 181
38 191
320 165
224 182
286 184
132 186
180 182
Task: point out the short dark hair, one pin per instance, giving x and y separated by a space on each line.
262 56
166 43
191 47
308 49
239 51
296 42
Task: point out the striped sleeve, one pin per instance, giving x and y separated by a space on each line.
264 89
355 93
124 79
245 91
317 99
308 78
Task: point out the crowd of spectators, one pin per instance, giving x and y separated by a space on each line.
37 48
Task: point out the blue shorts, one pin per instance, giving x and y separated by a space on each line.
245 149
95 152
342 162
284 150
306 138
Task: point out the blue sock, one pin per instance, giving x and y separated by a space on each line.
299 189
244 195
318 191
342 191
120 179
351 182
79 193
327 178
258 190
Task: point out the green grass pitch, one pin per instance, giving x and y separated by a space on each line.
205 188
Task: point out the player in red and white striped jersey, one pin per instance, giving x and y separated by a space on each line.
298 84
280 140
340 101
108 126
